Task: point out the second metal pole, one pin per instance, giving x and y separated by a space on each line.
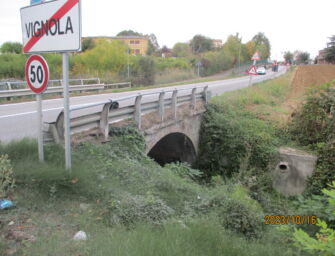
67 131
40 127
254 63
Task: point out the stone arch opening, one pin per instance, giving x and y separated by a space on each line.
174 147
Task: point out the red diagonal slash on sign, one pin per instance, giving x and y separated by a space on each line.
58 15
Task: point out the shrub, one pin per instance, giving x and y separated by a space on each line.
184 170
7 180
146 72
324 243
230 137
12 65
216 62
133 209
314 126
235 209
170 63
237 217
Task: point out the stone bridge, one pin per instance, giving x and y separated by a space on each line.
170 125
174 139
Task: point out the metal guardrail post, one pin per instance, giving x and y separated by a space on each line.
205 94
137 115
104 127
9 86
161 106
174 104
59 131
81 81
193 99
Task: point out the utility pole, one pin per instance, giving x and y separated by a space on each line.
128 71
239 56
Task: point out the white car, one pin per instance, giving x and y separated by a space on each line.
261 71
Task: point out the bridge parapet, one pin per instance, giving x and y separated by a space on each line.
163 106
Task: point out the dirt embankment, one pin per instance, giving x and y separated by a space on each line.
304 77
307 76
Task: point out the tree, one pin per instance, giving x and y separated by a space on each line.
303 57
250 48
87 44
153 44
129 33
330 50
330 54
332 41
10 47
181 50
200 44
106 56
288 56
262 44
147 70
233 47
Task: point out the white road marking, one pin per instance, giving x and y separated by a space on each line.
30 112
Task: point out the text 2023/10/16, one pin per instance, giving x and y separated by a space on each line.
291 219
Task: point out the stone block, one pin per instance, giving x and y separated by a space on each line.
293 170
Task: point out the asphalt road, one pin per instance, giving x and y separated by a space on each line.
19 120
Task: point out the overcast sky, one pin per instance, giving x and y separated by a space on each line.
289 24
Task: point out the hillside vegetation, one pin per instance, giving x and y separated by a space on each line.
112 61
127 204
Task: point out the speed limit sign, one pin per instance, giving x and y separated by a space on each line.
37 73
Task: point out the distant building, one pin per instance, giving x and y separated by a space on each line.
217 43
138 45
321 57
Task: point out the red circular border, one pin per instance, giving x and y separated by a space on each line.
45 69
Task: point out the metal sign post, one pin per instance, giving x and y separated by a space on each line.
67 131
40 127
37 77
255 58
54 26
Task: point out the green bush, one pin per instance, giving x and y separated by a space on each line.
314 126
7 180
171 63
215 62
230 137
237 217
134 209
12 65
184 170
146 72
105 57
324 242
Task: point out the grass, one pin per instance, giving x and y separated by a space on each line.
134 206
270 92
197 237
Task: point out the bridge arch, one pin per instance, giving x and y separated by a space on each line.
173 147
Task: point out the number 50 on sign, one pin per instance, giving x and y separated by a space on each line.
37 73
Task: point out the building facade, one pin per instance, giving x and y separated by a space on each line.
217 43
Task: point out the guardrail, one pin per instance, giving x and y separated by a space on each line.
55 89
20 88
16 85
111 112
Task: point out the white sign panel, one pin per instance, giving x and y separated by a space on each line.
52 27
